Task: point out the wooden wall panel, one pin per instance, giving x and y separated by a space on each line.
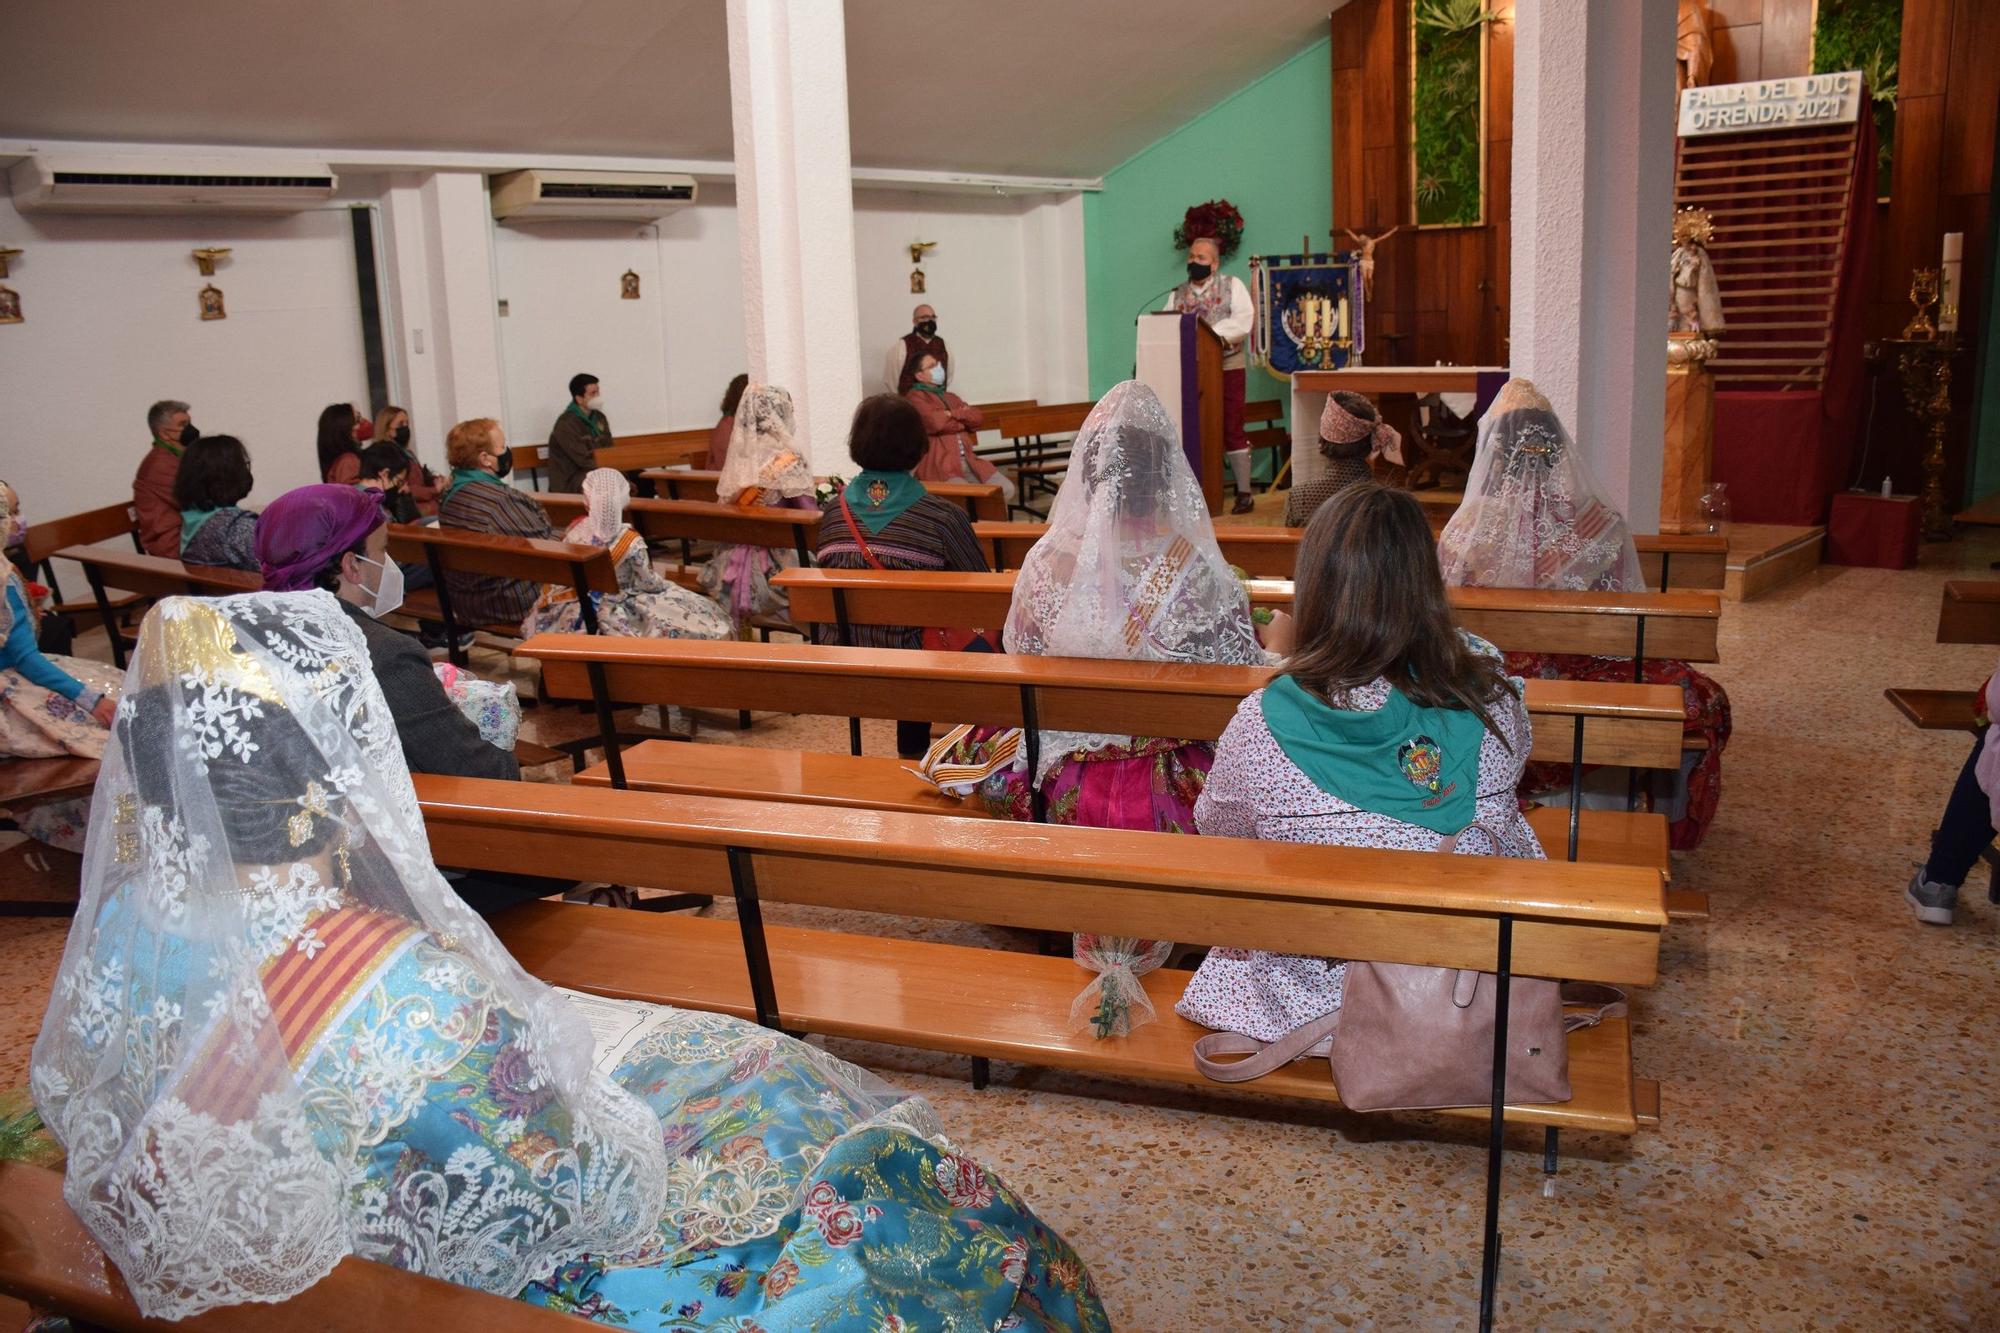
1924 62
1787 39
1971 92
1738 49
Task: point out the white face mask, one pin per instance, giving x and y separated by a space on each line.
937 374
595 403
388 593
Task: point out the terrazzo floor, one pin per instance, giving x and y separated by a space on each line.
1826 1158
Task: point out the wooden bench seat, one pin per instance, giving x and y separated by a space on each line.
42 543
1936 710
26 783
1968 612
778 527
111 567
910 993
446 551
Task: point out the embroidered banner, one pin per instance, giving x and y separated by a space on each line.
1309 311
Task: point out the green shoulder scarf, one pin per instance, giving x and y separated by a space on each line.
877 498
465 476
1405 761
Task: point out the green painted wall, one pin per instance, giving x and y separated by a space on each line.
1267 148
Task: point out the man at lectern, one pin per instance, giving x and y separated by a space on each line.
1223 303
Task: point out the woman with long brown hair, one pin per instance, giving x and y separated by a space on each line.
1389 727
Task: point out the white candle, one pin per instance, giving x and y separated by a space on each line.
1343 317
1954 246
1948 280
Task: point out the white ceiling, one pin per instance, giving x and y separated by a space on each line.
1021 87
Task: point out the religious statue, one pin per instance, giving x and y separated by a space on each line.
1696 305
628 286
211 303
1368 244
1694 46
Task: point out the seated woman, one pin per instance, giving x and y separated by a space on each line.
478 499
214 475
1388 728
1532 518
386 469
952 424
885 519
277 1039
725 426
1129 570
764 466
1352 434
422 487
645 606
342 432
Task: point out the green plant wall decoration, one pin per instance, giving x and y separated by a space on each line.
1448 82
1866 35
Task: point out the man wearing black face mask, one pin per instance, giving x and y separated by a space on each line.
920 341
1223 303
153 484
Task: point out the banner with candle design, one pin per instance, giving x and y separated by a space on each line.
1309 312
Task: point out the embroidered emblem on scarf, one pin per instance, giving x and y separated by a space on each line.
1422 763
878 491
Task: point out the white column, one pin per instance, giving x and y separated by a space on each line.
1053 271
437 247
795 212
1592 201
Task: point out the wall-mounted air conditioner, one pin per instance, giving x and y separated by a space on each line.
167 185
589 196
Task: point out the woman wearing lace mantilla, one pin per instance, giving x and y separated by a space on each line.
1533 518
1128 570
765 466
645 606
277 1038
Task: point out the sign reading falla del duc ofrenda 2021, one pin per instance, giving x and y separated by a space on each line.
1774 104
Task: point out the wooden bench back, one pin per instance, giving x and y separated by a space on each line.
1052 419
1677 561
127 570
529 457
1681 564
627 453
1679 625
49 1260
1636 726
1969 612
43 540
703 521
534 559
982 500
1587 922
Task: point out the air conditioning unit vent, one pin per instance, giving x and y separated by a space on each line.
128 184
589 196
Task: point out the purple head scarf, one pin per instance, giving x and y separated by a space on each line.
303 531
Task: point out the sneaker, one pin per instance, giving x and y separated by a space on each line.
1933 903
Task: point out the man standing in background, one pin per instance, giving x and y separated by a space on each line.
153 484
1223 303
578 432
920 341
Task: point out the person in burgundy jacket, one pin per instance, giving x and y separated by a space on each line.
952 424
153 484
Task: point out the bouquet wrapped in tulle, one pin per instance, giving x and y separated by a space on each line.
1217 219
490 705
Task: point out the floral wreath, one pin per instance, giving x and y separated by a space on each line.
1217 219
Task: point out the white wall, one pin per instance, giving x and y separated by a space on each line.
112 325
112 322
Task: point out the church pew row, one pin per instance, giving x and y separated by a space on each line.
1680 625
584 568
687 521
1968 612
982 500
1530 919
111 567
1635 726
1671 563
43 542
1536 918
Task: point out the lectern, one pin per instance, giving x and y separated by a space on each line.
1180 359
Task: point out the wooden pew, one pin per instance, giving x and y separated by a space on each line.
529 460
1680 625
1635 726
1680 561
585 568
49 1260
1968 612
982 500
41 542
110 567
1530 918
1039 440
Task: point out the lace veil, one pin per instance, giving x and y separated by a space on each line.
253 807
1129 568
606 492
762 453
1532 517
